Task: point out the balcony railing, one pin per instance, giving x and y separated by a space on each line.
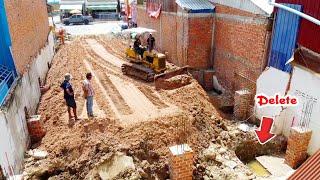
6 80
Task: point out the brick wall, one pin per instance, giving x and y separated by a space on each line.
297 147
29 28
186 38
241 43
200 42
181 162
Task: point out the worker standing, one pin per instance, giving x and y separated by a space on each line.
69 96
137 46
61 36
88 94
151 41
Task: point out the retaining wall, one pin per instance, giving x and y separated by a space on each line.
14 137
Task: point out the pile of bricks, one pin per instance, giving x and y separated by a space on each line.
297 147
35 128
242 101
181 162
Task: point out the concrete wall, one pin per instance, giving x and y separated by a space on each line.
14 134
307 82
301 80
241 42
29 28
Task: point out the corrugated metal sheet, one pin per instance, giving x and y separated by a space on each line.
196 6
309 33
284 38
246 5
309 170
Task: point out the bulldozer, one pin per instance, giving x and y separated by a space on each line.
145 67
151 66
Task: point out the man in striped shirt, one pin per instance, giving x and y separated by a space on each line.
88 94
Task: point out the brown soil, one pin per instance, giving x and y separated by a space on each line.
149 123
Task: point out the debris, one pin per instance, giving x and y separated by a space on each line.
37 154
119 163
244 127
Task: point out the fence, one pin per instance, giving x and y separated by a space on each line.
6 80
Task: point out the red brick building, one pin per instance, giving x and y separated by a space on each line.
241 40
228 38
184 30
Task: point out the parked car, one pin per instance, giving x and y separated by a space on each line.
77 19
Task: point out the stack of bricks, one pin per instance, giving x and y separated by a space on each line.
35 128
181 162
242 102
297 147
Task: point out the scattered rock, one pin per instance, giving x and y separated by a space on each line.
118 164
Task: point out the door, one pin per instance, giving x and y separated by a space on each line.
284 38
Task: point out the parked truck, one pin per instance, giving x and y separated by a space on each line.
77 19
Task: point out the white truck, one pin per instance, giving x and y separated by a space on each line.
77 19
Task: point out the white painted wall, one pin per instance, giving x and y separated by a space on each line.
309 83
14 134
274 81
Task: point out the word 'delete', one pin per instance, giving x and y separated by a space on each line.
276 100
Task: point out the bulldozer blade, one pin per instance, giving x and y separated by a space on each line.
161 83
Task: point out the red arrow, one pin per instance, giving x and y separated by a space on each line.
263 133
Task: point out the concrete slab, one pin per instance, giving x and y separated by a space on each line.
275 166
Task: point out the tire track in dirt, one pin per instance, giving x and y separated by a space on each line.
112 91
150 94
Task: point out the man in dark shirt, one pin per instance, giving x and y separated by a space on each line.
151 41
137 46
69 96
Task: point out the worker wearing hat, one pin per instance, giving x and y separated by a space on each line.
69 96
151 41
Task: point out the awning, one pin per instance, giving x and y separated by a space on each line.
103 7
196 6
71 7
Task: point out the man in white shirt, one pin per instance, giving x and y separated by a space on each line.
88 94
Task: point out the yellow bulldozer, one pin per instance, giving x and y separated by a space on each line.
151 65
146 66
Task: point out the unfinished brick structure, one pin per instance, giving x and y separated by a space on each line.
29 30
187 37
242 101
233 41
241 41
35 128
181 162
297 147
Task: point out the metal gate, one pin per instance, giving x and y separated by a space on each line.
284 38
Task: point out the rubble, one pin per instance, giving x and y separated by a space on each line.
118 164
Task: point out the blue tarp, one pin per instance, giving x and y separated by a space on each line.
196 6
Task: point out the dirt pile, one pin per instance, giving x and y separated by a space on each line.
75 152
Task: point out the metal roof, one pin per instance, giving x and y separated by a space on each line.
196 6
260 7
308 170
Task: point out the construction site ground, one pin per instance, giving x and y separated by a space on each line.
132 118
